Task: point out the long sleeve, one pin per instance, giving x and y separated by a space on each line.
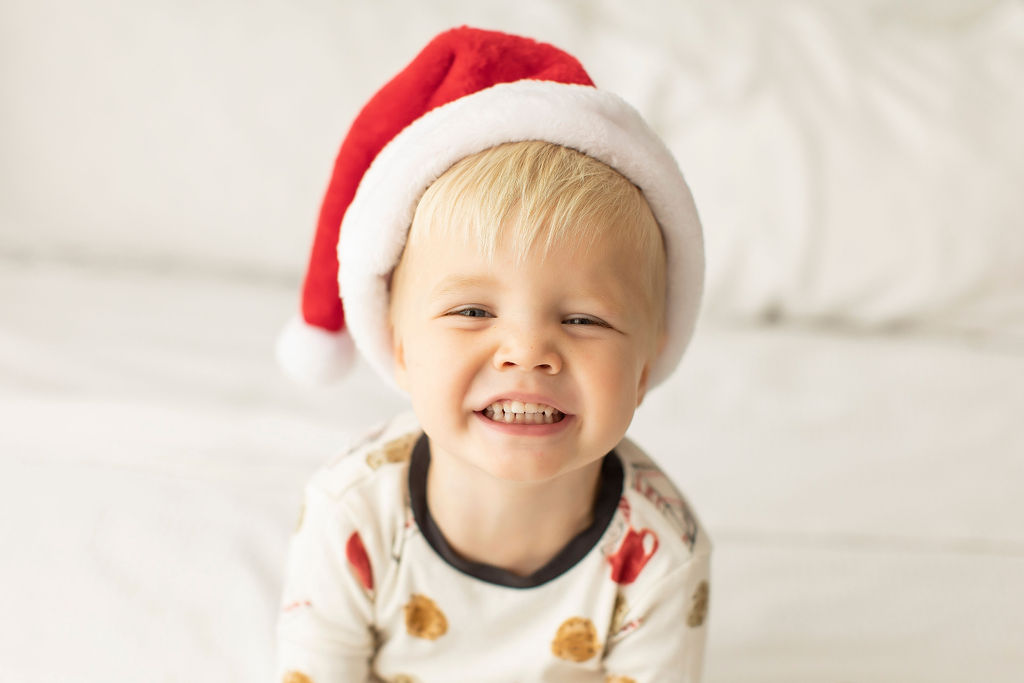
324 630
661 636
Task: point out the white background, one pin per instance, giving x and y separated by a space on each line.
846 422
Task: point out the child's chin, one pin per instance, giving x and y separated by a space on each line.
522 467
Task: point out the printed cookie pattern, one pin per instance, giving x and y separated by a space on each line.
424 619
396 450
296 677
576 640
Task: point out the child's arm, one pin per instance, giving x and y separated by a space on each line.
323 631
661 637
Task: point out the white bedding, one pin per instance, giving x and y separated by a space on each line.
859 463
862 491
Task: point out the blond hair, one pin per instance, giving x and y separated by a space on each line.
536 195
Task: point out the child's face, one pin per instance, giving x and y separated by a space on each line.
570 332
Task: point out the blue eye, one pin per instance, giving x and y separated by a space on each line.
580 320
472 313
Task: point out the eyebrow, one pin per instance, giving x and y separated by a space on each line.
456 283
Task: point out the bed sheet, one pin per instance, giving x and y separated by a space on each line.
862 491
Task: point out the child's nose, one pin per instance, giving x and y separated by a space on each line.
528 351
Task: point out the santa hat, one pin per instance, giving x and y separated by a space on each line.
467 91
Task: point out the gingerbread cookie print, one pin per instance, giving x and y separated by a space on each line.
576 640
394 451
424 619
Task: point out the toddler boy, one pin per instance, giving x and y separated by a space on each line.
520 255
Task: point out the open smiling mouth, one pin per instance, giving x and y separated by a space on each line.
517 412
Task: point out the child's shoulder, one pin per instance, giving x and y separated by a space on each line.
651 499
372 470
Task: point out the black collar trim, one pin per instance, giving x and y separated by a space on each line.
606 503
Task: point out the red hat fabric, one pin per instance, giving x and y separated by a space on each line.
468 90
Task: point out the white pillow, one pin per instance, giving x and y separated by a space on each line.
853 162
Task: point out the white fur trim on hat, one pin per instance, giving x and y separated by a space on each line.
597 123
311 355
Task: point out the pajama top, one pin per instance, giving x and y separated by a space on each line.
373 592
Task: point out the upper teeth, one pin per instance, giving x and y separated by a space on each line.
520 407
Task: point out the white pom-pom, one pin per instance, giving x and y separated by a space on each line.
312 355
